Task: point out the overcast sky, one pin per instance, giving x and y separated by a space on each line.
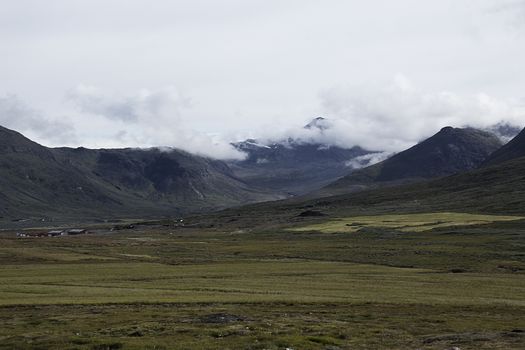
197 74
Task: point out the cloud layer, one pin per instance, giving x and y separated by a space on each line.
254 70
387 117
15 114
250 63
148 119
396 115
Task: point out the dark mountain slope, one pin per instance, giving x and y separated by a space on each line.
294 168
38 181
515 148
450 151
175 176
32 179
498 189
495 189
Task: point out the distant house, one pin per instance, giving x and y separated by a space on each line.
55 233
32 234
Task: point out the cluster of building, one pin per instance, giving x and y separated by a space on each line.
53 233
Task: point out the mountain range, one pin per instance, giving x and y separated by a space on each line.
40 183
295 167
496 186
450 151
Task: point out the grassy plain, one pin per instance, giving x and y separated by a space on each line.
406 223
167 287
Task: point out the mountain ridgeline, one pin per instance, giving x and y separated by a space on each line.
450 151
41 181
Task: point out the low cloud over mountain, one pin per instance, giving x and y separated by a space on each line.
15 114
397 115
387 117
149 118
103 119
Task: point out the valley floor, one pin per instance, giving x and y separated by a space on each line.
309 286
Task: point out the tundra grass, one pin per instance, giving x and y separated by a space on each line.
261 326
405 223
166 287
247 281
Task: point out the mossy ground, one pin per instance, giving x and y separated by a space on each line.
166 287
406 223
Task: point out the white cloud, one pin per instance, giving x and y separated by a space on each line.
262 60
388 117
251 63
396 115
15 114
514 10
146 119
151 106
367 160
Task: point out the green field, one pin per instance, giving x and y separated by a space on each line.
460 282
406 223
249 281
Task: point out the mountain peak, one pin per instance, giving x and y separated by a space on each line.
319 123
450 151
